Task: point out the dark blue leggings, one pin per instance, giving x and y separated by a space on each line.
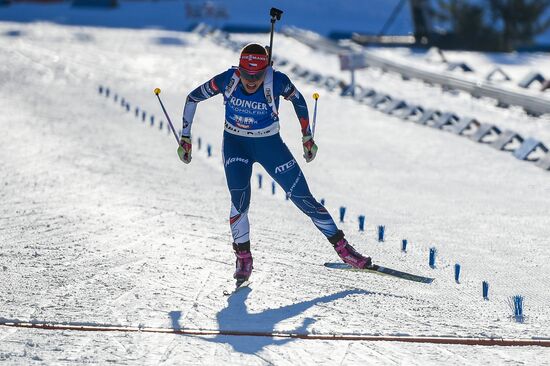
239 153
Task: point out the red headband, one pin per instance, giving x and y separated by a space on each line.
253 63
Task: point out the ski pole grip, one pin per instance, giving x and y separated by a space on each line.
275 14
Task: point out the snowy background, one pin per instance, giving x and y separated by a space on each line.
101 224
322 16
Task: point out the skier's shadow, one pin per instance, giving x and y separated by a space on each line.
236 317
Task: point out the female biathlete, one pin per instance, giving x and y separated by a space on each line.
251 94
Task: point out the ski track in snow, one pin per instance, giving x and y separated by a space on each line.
101 224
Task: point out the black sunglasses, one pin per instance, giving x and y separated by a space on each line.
252 77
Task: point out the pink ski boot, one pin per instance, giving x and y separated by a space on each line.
347 253
243 264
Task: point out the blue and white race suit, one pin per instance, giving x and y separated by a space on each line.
252 136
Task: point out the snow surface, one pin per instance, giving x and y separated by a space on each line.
100 223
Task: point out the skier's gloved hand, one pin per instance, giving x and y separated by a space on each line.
184 150
310 148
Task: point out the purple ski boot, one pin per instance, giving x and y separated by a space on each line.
243 264
347 253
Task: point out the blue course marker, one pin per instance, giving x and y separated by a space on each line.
433 252
381 229
342 213
517 302
485 290
361 223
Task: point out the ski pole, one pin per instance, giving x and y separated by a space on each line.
275 15
157 92
316 97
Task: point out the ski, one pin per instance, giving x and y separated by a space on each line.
382 271
238 287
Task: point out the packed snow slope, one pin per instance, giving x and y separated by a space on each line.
100 223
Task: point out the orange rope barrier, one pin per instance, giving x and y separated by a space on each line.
542 342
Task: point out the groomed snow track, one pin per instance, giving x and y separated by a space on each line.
115 252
